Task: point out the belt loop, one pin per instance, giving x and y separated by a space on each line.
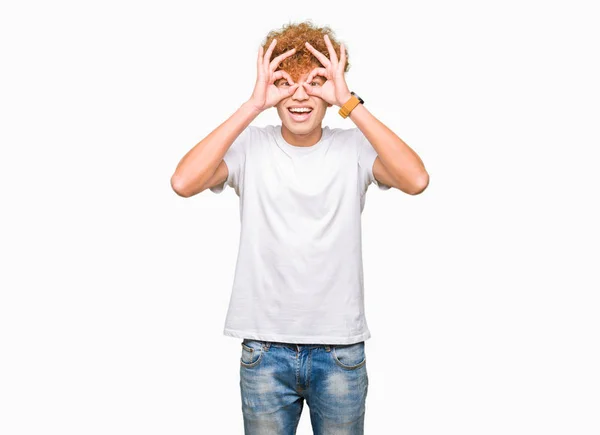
266 345
327 348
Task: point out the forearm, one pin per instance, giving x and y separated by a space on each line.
399 159
201 162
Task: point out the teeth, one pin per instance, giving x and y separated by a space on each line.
300 110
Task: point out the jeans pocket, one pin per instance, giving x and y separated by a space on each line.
349 356
252 353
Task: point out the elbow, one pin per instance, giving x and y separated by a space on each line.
420 185
179 187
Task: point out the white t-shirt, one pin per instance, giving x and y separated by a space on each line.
299 271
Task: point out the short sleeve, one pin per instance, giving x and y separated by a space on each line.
235 159
366 159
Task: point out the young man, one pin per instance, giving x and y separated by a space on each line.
297 300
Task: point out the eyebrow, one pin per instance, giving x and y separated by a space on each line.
317 77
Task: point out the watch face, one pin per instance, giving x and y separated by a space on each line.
359 99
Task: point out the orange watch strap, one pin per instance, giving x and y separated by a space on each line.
349 106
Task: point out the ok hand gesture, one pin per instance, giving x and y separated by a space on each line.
335 90
266 94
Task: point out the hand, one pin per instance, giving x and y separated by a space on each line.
335 90
266 94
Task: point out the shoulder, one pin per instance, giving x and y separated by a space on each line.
259 134
348 138
346 134
259 130
257 141
253 135
253 131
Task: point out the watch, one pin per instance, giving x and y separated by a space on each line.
354 101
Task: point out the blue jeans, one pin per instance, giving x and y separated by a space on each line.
275 378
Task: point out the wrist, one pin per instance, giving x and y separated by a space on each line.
345 99
251 108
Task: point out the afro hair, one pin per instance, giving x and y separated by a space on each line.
294 36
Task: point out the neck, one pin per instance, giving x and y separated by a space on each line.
302 140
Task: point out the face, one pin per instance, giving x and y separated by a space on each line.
302 123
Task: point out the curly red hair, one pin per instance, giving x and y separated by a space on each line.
294 36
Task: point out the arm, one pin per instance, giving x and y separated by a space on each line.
197 170
396 165
203 166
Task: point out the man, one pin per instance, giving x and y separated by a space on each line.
297 300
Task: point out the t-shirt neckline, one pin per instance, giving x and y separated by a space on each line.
297 150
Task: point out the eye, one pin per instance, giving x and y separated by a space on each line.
315 83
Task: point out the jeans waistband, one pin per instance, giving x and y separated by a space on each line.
294 346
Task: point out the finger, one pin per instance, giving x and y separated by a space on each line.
315 92
322 58
267 58
288 77
293 88
284 93
316 72
259 59
281 74
342 57
260 75
275 62
332 54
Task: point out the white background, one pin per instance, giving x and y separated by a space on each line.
481 293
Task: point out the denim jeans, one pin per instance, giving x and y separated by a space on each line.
276 378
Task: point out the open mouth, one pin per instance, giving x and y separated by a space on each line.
300 114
